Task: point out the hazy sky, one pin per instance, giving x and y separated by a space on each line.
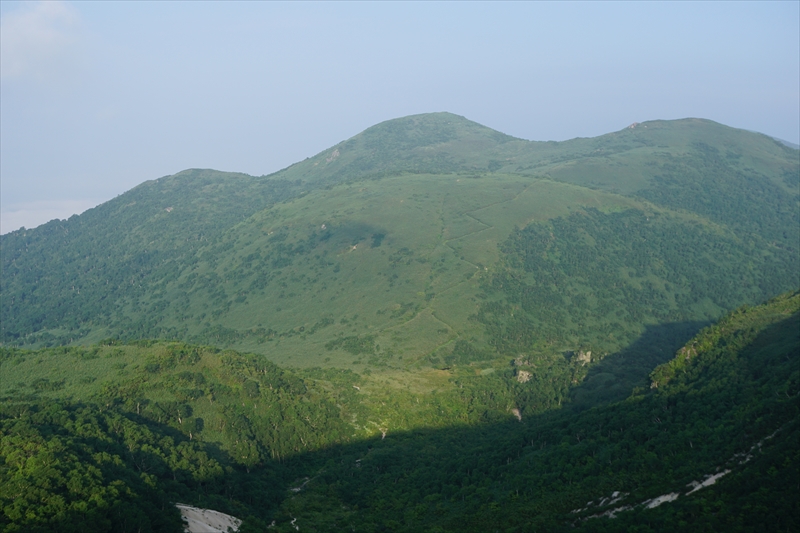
97 97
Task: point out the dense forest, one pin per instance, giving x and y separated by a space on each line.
273 446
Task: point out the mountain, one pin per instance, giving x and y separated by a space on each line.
430 242
107 437
429 326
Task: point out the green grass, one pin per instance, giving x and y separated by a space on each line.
415 290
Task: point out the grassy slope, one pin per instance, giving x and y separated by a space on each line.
406 264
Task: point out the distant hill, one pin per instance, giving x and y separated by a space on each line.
426 243
787 143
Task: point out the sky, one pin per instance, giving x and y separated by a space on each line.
98 97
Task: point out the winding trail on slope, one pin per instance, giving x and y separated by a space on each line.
487 226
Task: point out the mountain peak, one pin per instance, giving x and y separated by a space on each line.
434 143
429 129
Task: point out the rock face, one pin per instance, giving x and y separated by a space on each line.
584 357
207 521
523 376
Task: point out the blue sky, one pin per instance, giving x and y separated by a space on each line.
97 97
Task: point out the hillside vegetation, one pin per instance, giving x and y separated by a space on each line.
427 242
108 436
429 326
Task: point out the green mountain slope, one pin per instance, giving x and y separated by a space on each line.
430 242
107 436
65 274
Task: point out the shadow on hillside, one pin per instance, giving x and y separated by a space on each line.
532 475
613 378
525 476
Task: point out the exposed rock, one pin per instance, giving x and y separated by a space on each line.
655 502
207 521
707 482
521 361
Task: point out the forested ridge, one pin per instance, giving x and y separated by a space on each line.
119 248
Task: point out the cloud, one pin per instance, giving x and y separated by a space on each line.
33 214
39 41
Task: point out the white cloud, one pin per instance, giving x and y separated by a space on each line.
32 214
39 41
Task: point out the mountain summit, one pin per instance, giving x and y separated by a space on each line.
429 143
